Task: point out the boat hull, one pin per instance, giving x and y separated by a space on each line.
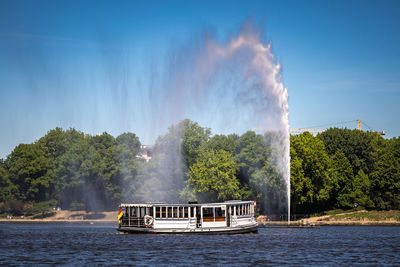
205 231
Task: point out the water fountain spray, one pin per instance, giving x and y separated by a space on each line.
233 84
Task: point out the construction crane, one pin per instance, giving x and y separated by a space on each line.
318 131
302 130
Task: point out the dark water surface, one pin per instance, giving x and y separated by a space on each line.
100 244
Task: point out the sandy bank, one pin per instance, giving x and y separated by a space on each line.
65 216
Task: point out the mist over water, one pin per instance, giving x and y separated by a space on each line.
233 86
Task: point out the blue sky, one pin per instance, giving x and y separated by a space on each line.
92 65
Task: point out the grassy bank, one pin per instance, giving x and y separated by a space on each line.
361 217
391 215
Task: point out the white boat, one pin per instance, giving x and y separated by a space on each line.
230 217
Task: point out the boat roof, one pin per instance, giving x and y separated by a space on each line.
162 204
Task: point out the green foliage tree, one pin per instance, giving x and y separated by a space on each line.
122 182
193 136
162 178
68 169
28 170
361 191
314 165
342 179
385 180
228 143
357 146
301 186
7 189
250 155
339 168
213 176
258 173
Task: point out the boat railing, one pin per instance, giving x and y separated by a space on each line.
234 220
191 223
134 222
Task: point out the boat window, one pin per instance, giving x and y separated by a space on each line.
219 213
142 211
133 211
208 214
158 212
175 212
186 214
169 214
164 212
192 212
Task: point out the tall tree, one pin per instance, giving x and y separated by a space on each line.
228 143
250 155
122 183
342 181
28 170
314 163
213 176
301 186
361 190
7 189
385 180
356 145
193 136
163 177
69 172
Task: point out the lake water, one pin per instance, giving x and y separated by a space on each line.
100 244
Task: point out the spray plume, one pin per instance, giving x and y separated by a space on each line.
235 84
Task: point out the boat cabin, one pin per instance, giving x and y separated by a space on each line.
162 217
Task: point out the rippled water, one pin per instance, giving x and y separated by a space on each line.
85 244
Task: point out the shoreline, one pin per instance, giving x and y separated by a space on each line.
352 218
260 224
66 216
4 221
329 223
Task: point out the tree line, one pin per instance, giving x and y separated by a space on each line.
339 168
